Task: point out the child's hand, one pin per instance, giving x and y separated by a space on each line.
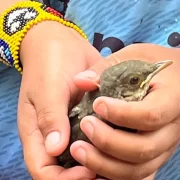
123 155
51 57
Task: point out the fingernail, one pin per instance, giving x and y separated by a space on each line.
81 154
52 140
101 109
87 74
88 129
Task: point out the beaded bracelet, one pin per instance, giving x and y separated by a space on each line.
15 23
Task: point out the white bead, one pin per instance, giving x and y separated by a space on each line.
2 54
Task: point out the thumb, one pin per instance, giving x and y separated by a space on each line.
88 80
51 105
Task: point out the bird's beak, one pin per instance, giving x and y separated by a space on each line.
159 67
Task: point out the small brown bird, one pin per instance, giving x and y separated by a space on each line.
128 80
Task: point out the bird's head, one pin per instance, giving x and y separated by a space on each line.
130 79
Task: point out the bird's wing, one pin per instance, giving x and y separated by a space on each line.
85 107
74 112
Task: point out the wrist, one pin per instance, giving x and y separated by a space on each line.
12 34
46 42
40 38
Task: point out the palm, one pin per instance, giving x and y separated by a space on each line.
45 97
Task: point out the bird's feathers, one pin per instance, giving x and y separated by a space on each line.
114 82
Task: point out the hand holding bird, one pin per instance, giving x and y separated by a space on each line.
128 80
118 154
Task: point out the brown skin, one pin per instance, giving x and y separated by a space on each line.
44 99
46 88
37 97
138 155
40 164
127 80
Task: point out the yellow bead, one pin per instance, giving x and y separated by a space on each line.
15 57
75 27
71 25
19 69
68 24
16 66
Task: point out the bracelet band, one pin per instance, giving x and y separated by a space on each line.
15 23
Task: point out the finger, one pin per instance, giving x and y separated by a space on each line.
151 177
47 71
147 115
131 147
134 51
112 168
88 80
40 165
47 89
51 105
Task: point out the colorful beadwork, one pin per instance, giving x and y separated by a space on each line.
17 20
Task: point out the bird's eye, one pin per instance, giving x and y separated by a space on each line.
134 80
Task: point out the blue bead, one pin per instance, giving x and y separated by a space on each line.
7 52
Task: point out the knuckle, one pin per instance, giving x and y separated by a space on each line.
114 59
139 173
99 167
153 119
133 47
102 142
32 170
133 173
148 152
45 120
35 175
118 117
